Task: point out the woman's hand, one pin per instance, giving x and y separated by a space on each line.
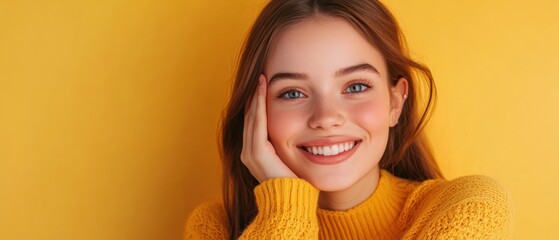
258 154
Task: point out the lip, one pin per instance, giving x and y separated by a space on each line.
330 160
326 141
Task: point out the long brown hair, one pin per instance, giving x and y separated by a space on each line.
407 155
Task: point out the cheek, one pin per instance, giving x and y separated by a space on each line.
370 114
283 123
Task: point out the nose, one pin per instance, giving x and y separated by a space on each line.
325 115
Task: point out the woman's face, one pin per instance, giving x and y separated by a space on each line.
328 93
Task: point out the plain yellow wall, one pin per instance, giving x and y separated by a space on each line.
108 109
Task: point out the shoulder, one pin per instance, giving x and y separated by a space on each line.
471 188
207 221
467 207
471 195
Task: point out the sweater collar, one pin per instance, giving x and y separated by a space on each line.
374 217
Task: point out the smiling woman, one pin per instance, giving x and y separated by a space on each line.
335 105
322 137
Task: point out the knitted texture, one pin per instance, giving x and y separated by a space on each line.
472 207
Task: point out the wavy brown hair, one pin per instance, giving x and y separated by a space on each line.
407 155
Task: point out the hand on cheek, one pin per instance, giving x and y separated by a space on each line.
258 154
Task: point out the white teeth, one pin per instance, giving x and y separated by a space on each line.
330 150
335 150
326 151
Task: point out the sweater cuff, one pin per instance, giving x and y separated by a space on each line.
290 196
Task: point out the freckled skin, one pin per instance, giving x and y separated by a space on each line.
319 48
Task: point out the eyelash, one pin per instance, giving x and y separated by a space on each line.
286 91
364 83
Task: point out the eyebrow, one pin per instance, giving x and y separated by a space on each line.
339 73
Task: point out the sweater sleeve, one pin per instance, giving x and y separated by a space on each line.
286 210
473 207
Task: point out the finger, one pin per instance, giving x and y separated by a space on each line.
248 125
253 108
252 105
245 135
251 118
260 118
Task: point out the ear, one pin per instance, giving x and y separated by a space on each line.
398 96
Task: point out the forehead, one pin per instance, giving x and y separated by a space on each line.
321 46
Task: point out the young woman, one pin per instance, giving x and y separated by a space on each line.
322 137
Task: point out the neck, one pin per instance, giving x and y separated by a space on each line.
352 196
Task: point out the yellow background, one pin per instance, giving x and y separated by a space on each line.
109 109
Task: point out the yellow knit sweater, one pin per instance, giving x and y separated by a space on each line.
472 207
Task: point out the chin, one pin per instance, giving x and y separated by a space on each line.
332 184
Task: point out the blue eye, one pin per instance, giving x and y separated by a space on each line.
291 94
357 88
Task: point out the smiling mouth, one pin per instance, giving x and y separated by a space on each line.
331 150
